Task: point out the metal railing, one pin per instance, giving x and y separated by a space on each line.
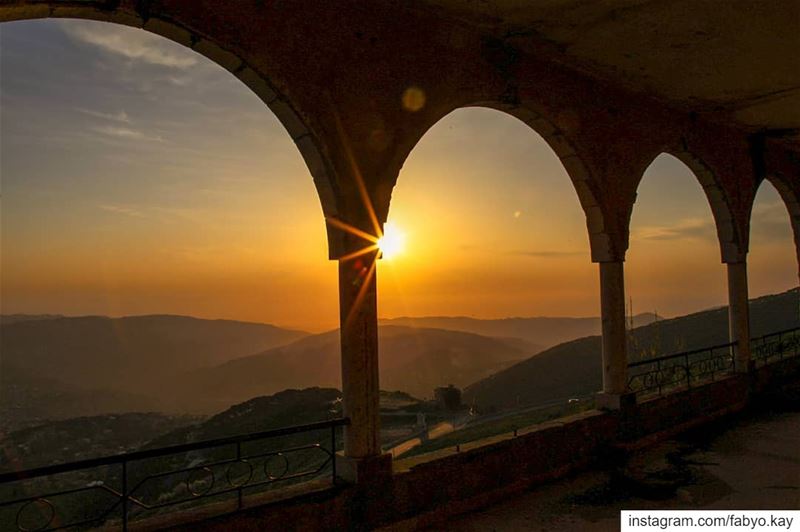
681 370
684 370
775 346
164 479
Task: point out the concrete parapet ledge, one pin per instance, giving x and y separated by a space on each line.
615 401
364 470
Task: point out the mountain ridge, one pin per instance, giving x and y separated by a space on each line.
414 360
574 368
542 331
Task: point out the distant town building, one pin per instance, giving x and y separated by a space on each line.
448 397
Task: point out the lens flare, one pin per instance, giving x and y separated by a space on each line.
392 243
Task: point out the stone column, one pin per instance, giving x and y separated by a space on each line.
615 342
360 387
739 314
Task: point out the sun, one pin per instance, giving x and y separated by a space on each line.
392 243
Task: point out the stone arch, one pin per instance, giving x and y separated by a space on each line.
733 248
309 144
586 188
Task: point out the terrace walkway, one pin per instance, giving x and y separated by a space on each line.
754 463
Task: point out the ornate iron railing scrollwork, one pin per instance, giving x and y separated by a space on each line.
682 370
29 504
775 346
206 477
246 480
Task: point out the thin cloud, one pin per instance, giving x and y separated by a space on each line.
126 133
179 82
123 209
179 213
688 228
155 212
770 222
135 45
121 116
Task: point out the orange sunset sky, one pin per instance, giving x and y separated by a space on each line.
138 177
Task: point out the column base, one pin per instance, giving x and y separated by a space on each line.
615 401
363 470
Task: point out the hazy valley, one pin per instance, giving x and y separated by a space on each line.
182 375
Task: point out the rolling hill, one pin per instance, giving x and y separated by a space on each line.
283 409
27 400
6 319
540 332
413 360
83 437
94 352
54 367
104 435
574 368
92 436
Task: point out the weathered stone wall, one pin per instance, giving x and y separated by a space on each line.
665 415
